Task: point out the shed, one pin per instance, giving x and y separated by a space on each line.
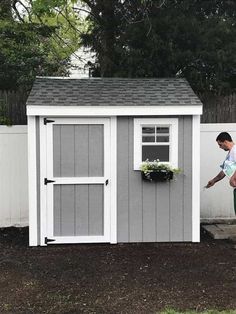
86 143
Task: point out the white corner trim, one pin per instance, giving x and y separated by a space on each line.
43 174
32 177
105 111
113 233
171 122
196 179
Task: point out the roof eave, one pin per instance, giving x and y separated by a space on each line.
109 111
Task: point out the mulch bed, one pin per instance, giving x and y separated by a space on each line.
122 278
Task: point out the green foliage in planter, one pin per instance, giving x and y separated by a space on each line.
148 167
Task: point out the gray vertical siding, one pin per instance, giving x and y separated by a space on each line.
146 212
78 210
149 212
78 150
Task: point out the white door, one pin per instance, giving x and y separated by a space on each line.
77 181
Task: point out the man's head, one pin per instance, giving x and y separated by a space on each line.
224 141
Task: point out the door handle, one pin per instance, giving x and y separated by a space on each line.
107 181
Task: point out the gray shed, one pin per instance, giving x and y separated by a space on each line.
87 139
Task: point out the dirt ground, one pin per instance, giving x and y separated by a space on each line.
123 278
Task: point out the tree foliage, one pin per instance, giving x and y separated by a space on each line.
34 41
195 39
131 38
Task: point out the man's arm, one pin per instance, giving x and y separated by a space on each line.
219 177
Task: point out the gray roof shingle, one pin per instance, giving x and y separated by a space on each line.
112 92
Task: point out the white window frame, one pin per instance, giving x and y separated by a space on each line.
172 123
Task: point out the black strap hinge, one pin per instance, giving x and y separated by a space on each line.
46 181
45 121
46 240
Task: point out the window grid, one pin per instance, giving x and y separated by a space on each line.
155 134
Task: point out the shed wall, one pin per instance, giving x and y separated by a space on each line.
153 212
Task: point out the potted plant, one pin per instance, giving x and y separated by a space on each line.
157 171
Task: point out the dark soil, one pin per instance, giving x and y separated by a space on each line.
122 278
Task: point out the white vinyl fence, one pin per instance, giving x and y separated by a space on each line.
13 176
216 202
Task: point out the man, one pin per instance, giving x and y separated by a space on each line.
225 142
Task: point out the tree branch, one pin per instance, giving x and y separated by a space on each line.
67 19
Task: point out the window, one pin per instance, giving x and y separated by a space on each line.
155 139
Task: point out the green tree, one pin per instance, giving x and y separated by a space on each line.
131 38
34 42
195 39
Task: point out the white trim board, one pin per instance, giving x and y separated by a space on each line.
196 179
113 175
32 179
42 186
110 111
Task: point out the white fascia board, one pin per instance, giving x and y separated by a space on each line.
113 110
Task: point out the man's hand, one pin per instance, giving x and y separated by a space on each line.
219 177
210 183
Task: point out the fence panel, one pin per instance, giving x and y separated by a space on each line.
218 109
14 176
13 104
216 202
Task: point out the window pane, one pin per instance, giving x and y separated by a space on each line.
148 130
149 139
163 138
162 130
155 152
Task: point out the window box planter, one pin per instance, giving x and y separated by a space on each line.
158 176
157 171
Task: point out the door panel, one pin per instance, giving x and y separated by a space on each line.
78 150
78 210
78 164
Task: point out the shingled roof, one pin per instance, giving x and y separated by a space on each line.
112 92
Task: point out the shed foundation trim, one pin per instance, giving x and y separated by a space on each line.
110 111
